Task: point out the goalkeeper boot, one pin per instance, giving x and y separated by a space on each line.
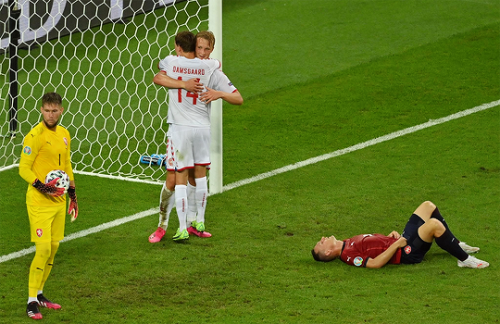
157 235
44 302
181 235
33 312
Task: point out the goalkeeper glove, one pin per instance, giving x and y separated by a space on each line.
73 204
48 188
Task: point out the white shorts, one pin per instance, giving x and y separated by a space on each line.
192 146
170 151
170 158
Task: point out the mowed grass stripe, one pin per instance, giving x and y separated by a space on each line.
266 175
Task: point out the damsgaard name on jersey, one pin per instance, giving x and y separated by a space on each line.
177 69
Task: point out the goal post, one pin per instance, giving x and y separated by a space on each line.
101 56
216 152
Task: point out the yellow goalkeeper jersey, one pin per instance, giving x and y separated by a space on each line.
44 150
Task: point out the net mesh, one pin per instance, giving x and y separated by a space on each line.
104 71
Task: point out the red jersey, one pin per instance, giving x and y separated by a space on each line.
358 249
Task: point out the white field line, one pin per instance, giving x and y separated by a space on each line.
86 232
363 145
269 174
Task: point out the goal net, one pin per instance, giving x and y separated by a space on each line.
101 57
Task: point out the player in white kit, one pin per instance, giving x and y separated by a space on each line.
190 120
205 42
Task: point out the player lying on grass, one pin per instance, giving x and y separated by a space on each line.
376 250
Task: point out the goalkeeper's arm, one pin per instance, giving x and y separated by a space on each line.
48 188
27 174
73 204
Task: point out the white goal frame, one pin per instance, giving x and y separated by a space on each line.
216 152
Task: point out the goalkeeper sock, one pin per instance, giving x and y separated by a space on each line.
166 205
48 266
449 243
181 205
32 299
42 254
191 212
201 198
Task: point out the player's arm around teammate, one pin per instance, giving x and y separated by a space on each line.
205 42
191 85
234 98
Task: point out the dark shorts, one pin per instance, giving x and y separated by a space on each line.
416 248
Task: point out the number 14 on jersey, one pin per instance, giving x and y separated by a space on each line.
188 94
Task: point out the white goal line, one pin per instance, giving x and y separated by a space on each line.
269 174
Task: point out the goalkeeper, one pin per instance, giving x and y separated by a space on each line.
46 148
376 250
205 42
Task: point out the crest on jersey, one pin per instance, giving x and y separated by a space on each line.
27 150
357 261
39 232
65 141
407 249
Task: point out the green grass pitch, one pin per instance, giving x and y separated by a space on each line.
317 76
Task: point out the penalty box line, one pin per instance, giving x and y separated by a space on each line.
262 176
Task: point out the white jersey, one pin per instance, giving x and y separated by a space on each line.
220 82
185 108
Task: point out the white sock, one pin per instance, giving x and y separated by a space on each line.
191 213
32 299
171 204
201 198
181 205
166 205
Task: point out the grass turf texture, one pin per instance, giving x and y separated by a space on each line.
257 267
